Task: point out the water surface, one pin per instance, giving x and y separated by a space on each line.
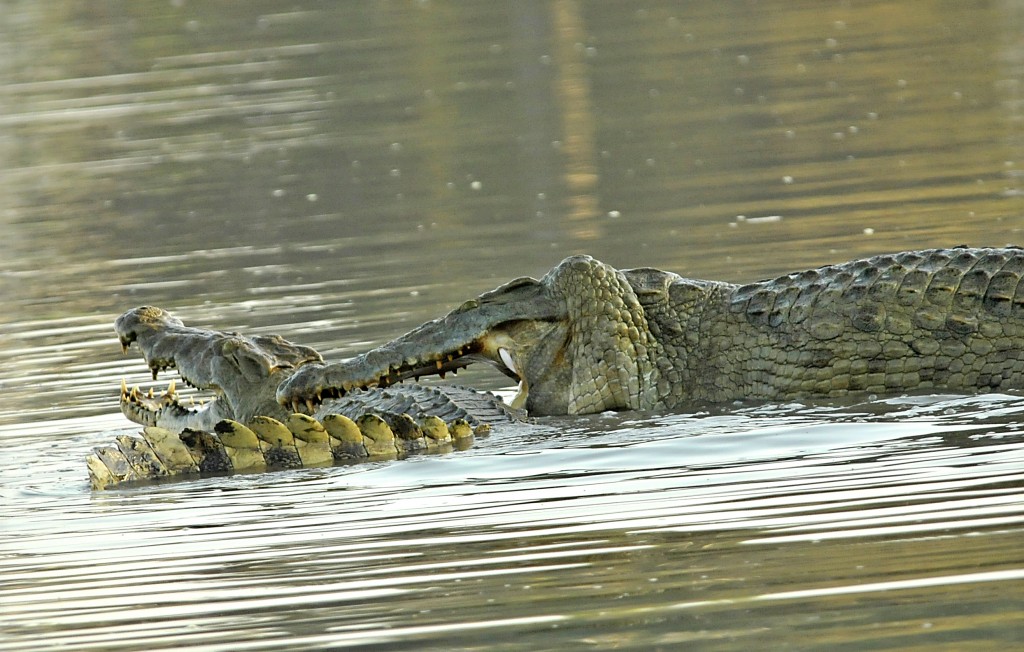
340 172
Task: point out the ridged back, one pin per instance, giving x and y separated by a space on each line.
936 289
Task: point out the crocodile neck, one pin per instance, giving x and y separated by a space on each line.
683 316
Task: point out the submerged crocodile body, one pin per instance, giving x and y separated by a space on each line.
587 338
242 428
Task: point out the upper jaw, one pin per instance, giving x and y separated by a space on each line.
311 384
496 328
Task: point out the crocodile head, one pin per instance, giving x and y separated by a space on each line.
576 341
242 373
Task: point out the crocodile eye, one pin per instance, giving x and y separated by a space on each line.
512 290
521 282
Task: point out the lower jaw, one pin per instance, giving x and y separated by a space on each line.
172 415
139 415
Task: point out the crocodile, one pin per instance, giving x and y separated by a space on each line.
587 338
243 428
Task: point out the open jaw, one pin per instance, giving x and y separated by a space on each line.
360 372
238 374
576 341
167 408
520 328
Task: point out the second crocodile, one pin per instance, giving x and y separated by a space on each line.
242 427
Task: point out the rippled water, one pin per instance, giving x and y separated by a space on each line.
340 172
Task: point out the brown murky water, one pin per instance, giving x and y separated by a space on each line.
340 172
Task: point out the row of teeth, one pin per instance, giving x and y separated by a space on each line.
388 380
169 397
382 382
158 366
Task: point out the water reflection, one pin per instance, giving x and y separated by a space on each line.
340 172
899 120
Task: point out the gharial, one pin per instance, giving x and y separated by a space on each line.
587 337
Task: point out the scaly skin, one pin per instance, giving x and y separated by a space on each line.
266 443
243 373
588 338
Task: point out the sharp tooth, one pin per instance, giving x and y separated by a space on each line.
191 401
134 394
310 405
519 400
170 388
506 357
439 365
124 388
149 394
